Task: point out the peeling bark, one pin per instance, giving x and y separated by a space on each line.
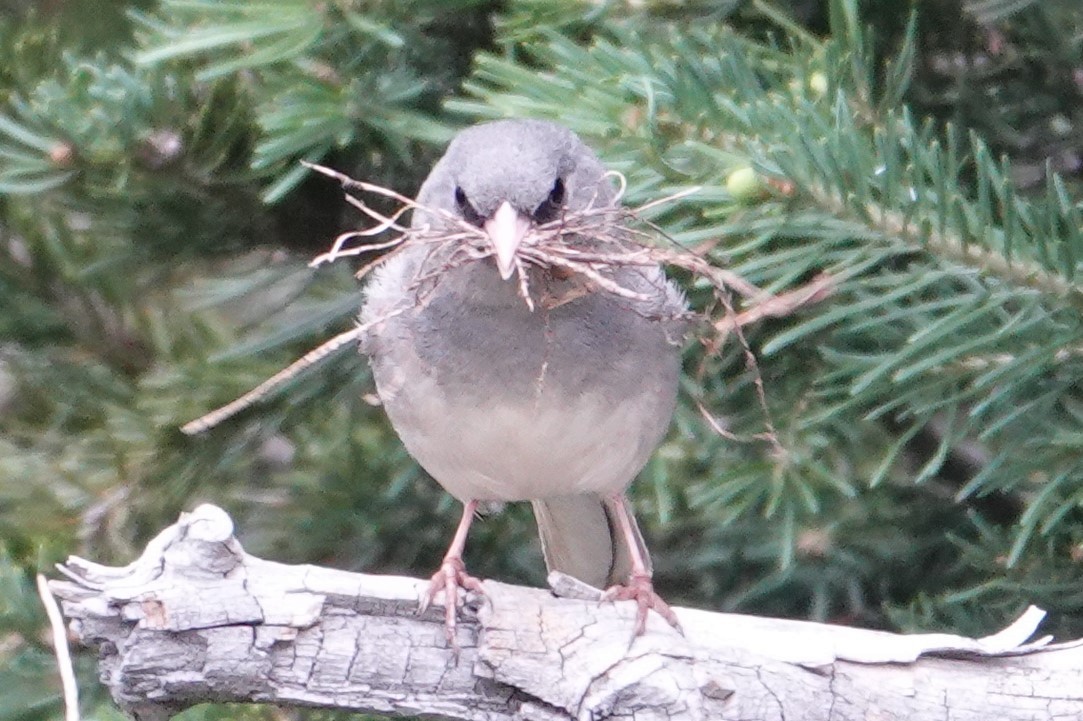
196 619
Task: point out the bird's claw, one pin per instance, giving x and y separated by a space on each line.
641 590
451 577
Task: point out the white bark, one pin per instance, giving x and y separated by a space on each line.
197 619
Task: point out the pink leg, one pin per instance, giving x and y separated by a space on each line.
639 587
452 575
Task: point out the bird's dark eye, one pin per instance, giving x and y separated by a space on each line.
556 195
466 208
550 207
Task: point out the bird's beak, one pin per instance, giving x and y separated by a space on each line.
506 230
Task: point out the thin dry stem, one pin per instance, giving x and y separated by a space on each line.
776 306
60 646
752 364
286 374
622 182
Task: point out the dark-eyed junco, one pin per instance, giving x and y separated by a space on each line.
558 403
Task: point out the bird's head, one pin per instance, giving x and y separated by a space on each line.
510 176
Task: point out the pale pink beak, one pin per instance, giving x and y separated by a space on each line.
506 230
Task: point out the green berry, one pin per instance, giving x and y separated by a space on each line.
744 184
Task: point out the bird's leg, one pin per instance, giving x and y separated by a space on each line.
639 588
452 575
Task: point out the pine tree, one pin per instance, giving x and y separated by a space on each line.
155 228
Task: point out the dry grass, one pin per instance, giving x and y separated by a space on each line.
616 237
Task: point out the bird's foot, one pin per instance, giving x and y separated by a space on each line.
641 590
451 577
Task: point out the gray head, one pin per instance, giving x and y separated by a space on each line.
511 175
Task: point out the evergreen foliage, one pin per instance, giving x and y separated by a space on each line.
155 226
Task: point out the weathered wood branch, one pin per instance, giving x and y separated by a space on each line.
197 619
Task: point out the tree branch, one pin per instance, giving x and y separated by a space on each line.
196 619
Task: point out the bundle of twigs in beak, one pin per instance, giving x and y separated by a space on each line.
607 237
603 238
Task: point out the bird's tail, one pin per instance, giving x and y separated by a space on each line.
581 536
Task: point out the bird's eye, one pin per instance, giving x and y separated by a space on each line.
466 208
556 195
551 206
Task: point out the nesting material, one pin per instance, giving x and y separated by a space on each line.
607 237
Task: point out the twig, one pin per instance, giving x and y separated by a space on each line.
286 374
670 198
775 306
757 378
337 251
63 653
621 180
603 238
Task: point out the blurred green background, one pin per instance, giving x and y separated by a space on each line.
155 226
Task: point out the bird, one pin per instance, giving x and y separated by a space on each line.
560 404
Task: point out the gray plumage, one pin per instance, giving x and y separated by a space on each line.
559 406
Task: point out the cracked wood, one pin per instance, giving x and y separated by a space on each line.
197 619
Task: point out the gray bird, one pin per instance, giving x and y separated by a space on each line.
561 404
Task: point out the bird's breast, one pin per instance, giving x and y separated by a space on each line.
501 402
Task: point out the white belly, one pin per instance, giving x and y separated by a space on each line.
545 446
